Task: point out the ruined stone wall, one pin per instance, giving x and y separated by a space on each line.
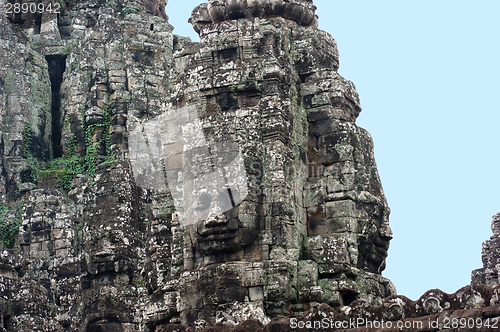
78 255
24 102
472 308
489 274
98 251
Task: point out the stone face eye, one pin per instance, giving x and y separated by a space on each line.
204 201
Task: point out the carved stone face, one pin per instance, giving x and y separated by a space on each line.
220 213
345 197
373 248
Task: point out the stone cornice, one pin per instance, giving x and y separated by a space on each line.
300 11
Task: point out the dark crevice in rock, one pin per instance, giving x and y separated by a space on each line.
8 323
25 176
57 66
348 298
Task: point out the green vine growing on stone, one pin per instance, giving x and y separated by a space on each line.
32 162
66 168
91 151
71 145
9 227
128 10
106 137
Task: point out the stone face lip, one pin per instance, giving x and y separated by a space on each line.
215 11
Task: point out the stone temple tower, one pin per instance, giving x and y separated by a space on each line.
71 84
314 226
98 250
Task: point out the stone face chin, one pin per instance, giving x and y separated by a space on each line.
283 204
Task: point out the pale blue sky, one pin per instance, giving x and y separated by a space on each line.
428 76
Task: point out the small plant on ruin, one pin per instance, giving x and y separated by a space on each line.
32 162
91 151
128 10
69 166
9 225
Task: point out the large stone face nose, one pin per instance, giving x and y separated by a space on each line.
386 232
